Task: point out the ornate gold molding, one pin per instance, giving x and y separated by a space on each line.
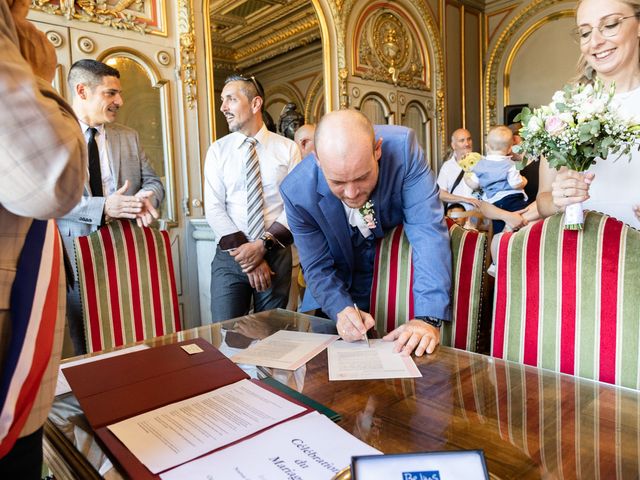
388 51
187 52
523 38
509 32
118 16
343 73
311 98
306 31
433 32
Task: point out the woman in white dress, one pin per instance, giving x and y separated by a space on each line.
609 35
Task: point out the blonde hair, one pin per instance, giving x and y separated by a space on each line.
586 73
499 140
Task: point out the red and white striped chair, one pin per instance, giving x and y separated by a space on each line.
127 285
568 300
392 292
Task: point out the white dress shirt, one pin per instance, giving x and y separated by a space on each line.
446 178
225 193
108 183
355 219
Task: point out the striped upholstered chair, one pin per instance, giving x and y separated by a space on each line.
392 292
568 300
127 285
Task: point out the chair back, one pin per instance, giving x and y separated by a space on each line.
392 289
567 300
127 285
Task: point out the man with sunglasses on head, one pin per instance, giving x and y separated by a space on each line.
243 172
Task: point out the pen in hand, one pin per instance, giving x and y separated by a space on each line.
360 316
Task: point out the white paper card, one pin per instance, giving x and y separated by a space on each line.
356 361
182 431
285 349
62 386
192 348
311 447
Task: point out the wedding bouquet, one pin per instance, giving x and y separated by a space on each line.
467 163
578 127
469 160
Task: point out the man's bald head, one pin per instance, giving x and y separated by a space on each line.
304 138
348 155
341 127
461 143
499 140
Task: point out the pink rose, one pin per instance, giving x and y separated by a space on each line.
554 125
370 221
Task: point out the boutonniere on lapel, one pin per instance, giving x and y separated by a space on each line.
368 214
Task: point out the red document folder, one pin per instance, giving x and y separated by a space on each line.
121 387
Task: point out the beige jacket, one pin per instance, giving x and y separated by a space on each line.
43 166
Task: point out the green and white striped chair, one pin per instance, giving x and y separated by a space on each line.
392 292
127 285
568 300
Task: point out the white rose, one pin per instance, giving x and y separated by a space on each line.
599 105
534 125
586 109
558 97
567 118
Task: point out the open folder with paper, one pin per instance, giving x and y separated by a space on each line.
157 409
119 388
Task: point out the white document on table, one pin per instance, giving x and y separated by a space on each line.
356 361
176 433
311 447
285 349
62 386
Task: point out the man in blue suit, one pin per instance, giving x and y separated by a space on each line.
349 194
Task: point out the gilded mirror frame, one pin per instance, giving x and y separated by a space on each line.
328 37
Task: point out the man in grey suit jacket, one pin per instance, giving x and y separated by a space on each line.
123 186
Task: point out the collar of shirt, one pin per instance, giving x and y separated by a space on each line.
85 127
261 137
355 219
497 158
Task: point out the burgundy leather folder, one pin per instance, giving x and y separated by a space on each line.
121 387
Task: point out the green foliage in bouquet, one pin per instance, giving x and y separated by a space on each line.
579 126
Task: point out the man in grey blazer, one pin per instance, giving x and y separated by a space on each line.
122 182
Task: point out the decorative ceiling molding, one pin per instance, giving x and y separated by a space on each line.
247 32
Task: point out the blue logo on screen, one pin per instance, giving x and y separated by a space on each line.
430 475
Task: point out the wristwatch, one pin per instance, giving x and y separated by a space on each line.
433 321
269 241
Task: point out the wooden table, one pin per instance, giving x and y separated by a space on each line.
530 423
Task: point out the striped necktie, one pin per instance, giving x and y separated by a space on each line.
255 201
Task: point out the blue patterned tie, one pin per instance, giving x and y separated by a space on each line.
255 201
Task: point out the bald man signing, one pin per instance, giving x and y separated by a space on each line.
357 166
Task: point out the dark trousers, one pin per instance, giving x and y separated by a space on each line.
511 203
231 292
24 460
75 320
